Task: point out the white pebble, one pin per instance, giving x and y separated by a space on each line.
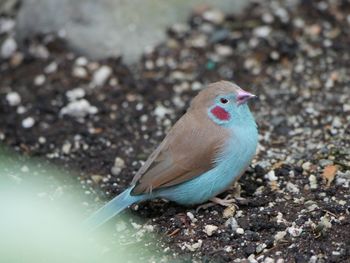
214 16
28 123
75 94
262 31
39 80
271 176
294 231
101 75
313 181
78 108
240 231
160 111
210 229
13 98
9 46
79 72
292 188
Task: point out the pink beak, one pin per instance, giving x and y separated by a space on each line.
244 96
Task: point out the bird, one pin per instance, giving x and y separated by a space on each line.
202 155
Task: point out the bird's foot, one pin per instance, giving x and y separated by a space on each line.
227 201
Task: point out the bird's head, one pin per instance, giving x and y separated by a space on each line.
225 104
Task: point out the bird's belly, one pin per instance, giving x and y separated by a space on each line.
229 167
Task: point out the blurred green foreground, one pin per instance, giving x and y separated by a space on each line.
40 218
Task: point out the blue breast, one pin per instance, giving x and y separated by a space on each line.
230 164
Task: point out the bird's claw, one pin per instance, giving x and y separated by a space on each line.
227 201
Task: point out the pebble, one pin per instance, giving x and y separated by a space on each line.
306 166
51 68
280 235
223 50
292 188
271 176
215 16
13 98
75 94
79 72
193 247
119 165
294 231
79 108
262 31
39 80
160 111
325 162
232 223
210 229
191 217
8 48
101 75
313 181
260 248
28 122
240 231
229 211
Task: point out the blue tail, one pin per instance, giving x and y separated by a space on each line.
112 208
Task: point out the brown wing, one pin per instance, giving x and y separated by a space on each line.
186 152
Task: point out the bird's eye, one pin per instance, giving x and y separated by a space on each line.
223 100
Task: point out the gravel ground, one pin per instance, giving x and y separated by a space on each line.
103 119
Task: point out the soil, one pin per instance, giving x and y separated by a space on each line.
294 56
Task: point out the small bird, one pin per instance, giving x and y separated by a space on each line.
203 154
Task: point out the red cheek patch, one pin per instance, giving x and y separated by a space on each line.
220 113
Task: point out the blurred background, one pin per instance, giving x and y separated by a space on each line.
89 88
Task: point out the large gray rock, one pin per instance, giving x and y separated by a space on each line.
109 27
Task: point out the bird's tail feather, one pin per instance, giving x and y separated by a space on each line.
111 209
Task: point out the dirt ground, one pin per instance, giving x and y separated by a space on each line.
103 118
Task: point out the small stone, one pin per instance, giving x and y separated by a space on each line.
160 111
13 98
39 80
313 181
215 16
336 123
232 222
210 229
294 231
96 178
79 72
260 248
240 231
28 123
75 94
280 235
51 68
191 217
229 211
118 166
292 188
199 41
79 108
223 50
101 75
346 107
66 147
81 61
193 247
271 176
8 48
262 31
269 260
325 162
306 166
